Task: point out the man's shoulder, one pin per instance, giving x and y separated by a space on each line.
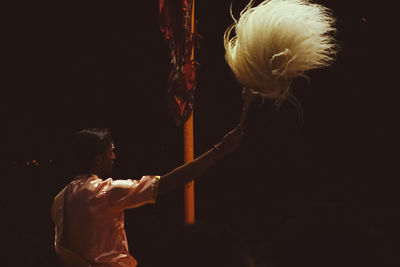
58 202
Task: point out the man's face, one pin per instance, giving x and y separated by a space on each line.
106 161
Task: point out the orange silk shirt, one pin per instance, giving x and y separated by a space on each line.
89 218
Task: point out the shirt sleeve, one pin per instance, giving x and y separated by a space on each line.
128 194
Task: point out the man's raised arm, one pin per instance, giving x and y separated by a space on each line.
191 170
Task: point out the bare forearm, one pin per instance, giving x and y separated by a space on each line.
187 172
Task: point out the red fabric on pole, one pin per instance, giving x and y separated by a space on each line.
175 25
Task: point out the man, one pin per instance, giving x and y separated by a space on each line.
89 212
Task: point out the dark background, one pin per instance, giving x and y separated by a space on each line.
323 192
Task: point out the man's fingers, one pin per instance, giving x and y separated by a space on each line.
241 129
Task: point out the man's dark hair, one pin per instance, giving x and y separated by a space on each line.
89 143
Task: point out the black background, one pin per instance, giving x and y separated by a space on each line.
323 192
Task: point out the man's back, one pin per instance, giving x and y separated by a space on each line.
89 218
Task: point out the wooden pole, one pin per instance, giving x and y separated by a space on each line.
188 156
189 150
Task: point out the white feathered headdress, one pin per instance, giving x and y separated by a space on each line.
277 41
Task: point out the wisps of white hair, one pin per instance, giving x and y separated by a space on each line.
277 41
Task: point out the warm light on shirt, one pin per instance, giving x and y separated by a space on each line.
89 217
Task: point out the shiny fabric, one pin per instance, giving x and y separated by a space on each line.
89 218
176 26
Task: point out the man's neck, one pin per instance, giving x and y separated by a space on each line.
85 176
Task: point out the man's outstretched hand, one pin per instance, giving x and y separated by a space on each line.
231 141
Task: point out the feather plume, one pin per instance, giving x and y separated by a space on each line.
277 41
